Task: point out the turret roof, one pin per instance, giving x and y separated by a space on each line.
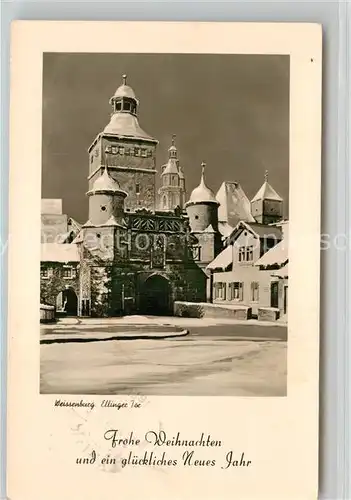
202 194
266 192
125 90
126 125
106 183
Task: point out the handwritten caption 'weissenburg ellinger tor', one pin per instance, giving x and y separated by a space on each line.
157 449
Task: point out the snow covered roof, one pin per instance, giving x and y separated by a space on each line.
283 272
234 204
202 194
266 192
223 260
106 183
259 230
59 252
170 167
126 125
278 255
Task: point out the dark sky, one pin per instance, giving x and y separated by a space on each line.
231 111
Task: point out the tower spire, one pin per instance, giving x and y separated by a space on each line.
203 166
124 77
266 176
173 139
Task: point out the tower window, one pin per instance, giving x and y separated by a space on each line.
144 153
137 151
126 106
121 150
196 217
98 235
137 188
103 208
91 159
118 106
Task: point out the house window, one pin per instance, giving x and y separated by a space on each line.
44 272
137 188
67 272
195 253
246 254
236 290
249 253
254 291
220 291
241 254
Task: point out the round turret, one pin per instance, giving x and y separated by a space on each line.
202 207
106 200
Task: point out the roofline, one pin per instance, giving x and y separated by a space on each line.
91 192
130 137
205 202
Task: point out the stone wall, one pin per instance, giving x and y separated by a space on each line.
55 283
205 310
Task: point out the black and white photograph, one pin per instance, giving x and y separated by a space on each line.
164 224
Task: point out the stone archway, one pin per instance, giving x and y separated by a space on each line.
67 302
156 296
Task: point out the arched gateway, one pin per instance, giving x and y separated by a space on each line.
155 296
67 302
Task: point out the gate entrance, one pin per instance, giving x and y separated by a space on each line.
67 302
155 296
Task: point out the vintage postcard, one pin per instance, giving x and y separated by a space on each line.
164 260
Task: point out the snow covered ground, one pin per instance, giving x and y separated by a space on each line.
215 360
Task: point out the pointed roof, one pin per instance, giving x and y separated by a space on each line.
266 192
234 204
202 194
105 183
171 167
209 229
258 230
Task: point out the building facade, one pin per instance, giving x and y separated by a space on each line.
144 248
251 271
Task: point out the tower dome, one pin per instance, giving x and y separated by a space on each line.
106 184
202 194
125 90
124 119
